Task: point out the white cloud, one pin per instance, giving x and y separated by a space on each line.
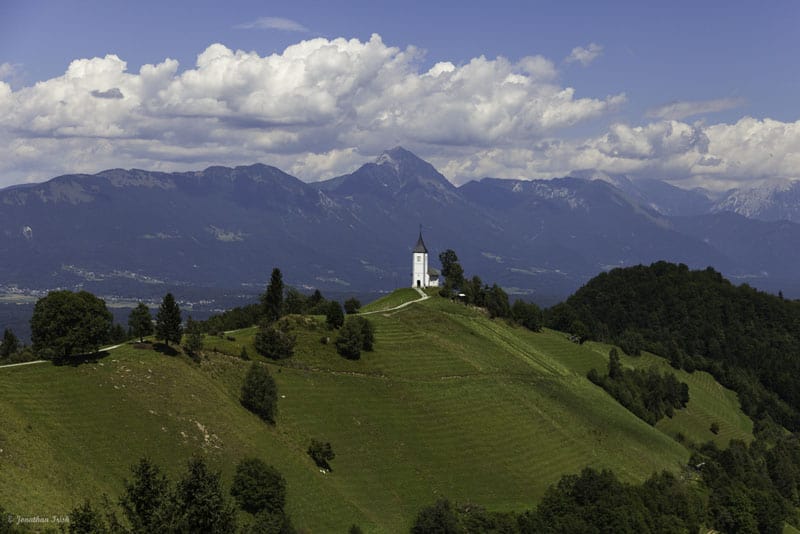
689 108
719 157
584 55
7 70
317 108
273 23
322 107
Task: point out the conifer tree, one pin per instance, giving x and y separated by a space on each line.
272 299
10 343
168 320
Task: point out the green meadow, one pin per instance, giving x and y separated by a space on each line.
450 403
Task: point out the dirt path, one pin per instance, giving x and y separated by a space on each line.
422 296
112 347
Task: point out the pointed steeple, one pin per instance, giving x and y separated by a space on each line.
420 248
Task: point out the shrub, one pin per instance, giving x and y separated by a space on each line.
321 453
259 392
349 342
334 316
352 305
274 343
258 487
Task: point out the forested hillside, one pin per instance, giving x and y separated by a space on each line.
749 340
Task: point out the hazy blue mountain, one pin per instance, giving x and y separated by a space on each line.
136 233
659 195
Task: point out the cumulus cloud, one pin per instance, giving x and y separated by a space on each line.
324 106
689 108
317 108
584 55
718 157
273 23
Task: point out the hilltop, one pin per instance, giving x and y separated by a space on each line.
449 403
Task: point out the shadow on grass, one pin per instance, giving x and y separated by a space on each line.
75 360
165 349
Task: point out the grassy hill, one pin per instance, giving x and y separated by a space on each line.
450 403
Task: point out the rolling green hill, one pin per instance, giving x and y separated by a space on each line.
450 403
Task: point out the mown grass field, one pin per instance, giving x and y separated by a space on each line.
450 404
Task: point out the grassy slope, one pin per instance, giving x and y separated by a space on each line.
449 403
396 298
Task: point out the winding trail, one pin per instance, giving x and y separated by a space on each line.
422 296
112 347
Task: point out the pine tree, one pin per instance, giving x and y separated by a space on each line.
140 321
168 320
272 299
10 344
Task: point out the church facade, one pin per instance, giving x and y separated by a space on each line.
422 275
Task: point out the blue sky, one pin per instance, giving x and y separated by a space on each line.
693 92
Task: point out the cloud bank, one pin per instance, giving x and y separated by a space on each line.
322 107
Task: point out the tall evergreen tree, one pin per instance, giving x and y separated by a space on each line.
144 502
10 343
200 505
272 299
168 320
140 321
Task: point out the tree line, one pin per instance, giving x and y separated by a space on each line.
66 325
744 489
494 299
275 338
747 339
195 502
648 394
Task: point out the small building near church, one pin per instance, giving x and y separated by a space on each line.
422 274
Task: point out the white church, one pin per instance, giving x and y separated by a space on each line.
423 276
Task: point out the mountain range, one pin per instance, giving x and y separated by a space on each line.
136 233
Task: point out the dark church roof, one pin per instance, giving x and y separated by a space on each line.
420 248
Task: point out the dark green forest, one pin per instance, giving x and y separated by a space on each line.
749 340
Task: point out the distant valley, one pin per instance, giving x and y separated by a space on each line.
213 235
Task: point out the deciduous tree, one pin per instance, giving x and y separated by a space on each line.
334 317
140 321
352 305
274 343
66 323
194 337
258 487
